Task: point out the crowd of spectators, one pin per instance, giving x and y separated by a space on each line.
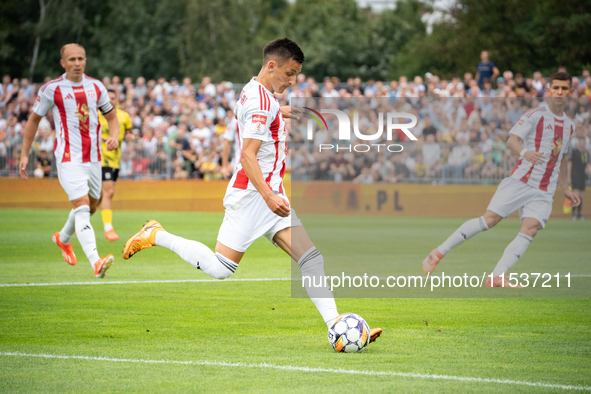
459 140
178 125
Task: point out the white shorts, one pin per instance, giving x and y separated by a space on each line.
512 195
248 217
80 179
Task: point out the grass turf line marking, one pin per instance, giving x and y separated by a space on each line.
125 282
306 369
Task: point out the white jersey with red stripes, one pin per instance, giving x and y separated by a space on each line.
259 118
232 134
542 131
75 112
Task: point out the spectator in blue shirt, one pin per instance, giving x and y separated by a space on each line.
485 69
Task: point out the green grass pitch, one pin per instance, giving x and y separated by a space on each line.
252 336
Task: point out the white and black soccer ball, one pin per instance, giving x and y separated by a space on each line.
349 333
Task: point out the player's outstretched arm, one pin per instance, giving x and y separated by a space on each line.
563 182
28 137
249 162
514 145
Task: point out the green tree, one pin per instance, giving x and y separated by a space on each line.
138 37
520 35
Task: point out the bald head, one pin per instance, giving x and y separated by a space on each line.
66 49
73 61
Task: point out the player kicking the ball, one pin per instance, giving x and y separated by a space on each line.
255 201
75 100
545 132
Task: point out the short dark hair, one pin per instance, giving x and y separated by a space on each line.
284 49
561 76
111 90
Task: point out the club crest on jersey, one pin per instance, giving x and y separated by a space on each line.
258 123
82 114
556 145
520 122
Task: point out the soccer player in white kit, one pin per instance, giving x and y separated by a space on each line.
255 201
545 133
75 100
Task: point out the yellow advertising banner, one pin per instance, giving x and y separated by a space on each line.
327 198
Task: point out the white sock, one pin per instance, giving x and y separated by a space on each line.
68 231
312 266
463 233
108 227
85 233
512 253
198 255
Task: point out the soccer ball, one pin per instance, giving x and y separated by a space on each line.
349 333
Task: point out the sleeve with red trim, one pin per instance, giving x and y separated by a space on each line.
43 103
524 126
258 121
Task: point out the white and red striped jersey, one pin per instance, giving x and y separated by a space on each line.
75 108
542 131
259 118
232 134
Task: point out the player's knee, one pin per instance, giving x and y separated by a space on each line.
491 219
531 230
220 267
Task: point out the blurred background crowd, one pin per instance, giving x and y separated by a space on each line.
178 125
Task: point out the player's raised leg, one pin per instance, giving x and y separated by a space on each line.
296 242
220 264
514 251
462 234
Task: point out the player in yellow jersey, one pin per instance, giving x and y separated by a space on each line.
110 164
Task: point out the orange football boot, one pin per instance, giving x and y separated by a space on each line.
501 281
432 260
67 251
102 265
111 235
144 239
374 334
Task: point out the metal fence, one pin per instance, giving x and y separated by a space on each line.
139 160
417 163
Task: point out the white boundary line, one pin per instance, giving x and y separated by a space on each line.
126 282
307 369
